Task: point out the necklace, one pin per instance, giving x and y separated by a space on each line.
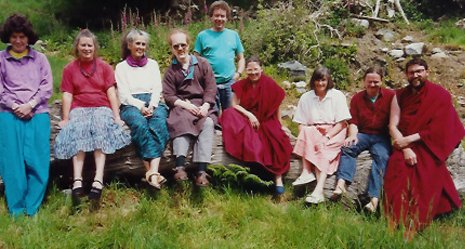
92 70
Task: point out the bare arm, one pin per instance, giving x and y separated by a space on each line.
114 103
252 119
352 136
67 99
409 155
240 66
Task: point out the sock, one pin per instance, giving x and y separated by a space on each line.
180 161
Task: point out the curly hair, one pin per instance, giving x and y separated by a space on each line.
17 23
220 5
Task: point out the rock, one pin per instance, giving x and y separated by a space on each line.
400 60
360 22
460 23
288 111
295 68
436 50
40 46
439 55
300 84
396 53
407 39
384 50
385 35
286 84
415 48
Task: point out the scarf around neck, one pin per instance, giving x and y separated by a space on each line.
137 63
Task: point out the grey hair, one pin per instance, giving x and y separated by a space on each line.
129 38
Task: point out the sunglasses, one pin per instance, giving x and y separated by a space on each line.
179 45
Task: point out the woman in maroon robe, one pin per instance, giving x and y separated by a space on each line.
426 129
252 129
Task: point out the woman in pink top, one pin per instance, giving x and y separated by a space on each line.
91 120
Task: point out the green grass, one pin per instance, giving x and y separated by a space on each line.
445 32
179 218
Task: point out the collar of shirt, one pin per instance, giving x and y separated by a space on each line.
329 95
189 75
8 56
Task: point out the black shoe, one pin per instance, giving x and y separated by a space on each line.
96 193
77 193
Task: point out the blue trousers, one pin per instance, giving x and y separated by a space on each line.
379 147
24 161
224 95
149 135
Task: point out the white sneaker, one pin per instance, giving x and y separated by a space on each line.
314 199
304 179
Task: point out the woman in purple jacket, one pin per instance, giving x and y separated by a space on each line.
26 85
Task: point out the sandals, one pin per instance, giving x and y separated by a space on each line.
180 175
202 179
96 193
155 179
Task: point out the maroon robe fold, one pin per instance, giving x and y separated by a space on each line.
268 145
414 195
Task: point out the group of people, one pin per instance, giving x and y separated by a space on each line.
203 91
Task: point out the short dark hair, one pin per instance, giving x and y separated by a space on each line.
17 23
85 33
220 5
321 72
253 58
374 69
416 61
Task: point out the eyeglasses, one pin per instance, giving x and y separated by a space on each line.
179 45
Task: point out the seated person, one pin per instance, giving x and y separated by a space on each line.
189 90
322 114
91 120
252 129
368 130
139 90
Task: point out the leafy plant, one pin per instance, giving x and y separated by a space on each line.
235 176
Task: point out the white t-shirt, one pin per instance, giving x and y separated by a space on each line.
134 80
330 110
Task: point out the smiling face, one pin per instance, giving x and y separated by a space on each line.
321 86
254 71
180 46
138 47
86 49
372 83
19 42
416 75
219 18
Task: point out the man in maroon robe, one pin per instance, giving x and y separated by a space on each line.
426 129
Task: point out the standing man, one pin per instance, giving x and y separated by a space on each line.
425 128
368 130
221 46
189 90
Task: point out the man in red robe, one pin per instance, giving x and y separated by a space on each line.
426 129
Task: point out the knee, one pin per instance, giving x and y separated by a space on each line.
208 123
349 152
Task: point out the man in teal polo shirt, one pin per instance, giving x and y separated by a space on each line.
221 47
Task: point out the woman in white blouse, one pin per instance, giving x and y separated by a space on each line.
139 88
321 114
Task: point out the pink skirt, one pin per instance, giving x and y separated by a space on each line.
325 157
